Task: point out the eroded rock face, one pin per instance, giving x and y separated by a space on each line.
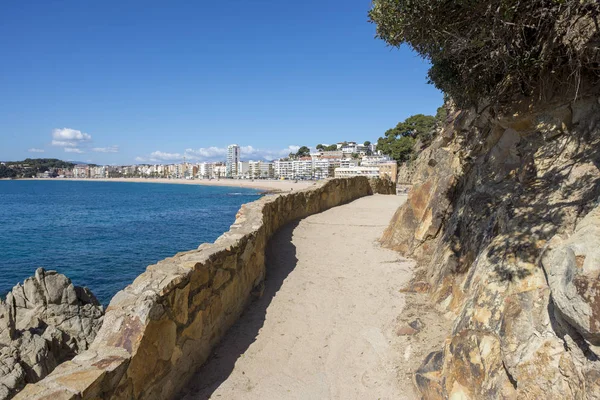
43 322
504 220
573 269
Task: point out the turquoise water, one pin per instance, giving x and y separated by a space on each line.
104 234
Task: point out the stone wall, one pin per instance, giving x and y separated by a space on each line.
162 327
382 185
503 219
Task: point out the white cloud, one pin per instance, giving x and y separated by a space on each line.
110 149
73 150
63 143
34 150
207 153
248 150
70 134
267 154
163 156
218 154
67 137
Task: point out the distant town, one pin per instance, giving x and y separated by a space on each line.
344 159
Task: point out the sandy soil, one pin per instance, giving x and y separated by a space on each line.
269 185
326 325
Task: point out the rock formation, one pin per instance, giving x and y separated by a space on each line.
43 322
504 219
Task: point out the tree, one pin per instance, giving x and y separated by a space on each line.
399 149
303 152
320 147
398 142
415 126
497 49
367 143
6 172
332 147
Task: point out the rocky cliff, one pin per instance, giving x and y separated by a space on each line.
504 219
43 322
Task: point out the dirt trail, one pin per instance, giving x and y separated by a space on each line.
326 325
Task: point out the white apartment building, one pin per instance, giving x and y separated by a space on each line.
302 169
81 171
261 169
372 161
324 168
353 148
179 171
233 158
369 172
348 163
243 169
99 172
316 167
219 171
283 169
205 170
153 170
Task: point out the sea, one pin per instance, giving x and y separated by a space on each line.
103 234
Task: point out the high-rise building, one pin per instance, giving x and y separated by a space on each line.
233 158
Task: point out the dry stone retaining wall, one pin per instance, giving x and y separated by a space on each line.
159 329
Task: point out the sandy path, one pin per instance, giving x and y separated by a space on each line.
324 328
264 184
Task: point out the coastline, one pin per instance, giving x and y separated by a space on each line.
269 186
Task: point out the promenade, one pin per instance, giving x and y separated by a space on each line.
325 326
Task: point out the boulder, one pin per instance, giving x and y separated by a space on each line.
43 322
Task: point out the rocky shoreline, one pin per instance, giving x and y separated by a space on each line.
44 321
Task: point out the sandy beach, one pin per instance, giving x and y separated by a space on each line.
267 185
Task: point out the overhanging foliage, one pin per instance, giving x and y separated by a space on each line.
498 49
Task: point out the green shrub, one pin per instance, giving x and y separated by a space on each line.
498 49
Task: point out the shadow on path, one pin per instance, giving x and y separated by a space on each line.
280 261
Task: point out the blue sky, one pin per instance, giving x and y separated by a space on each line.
131 81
